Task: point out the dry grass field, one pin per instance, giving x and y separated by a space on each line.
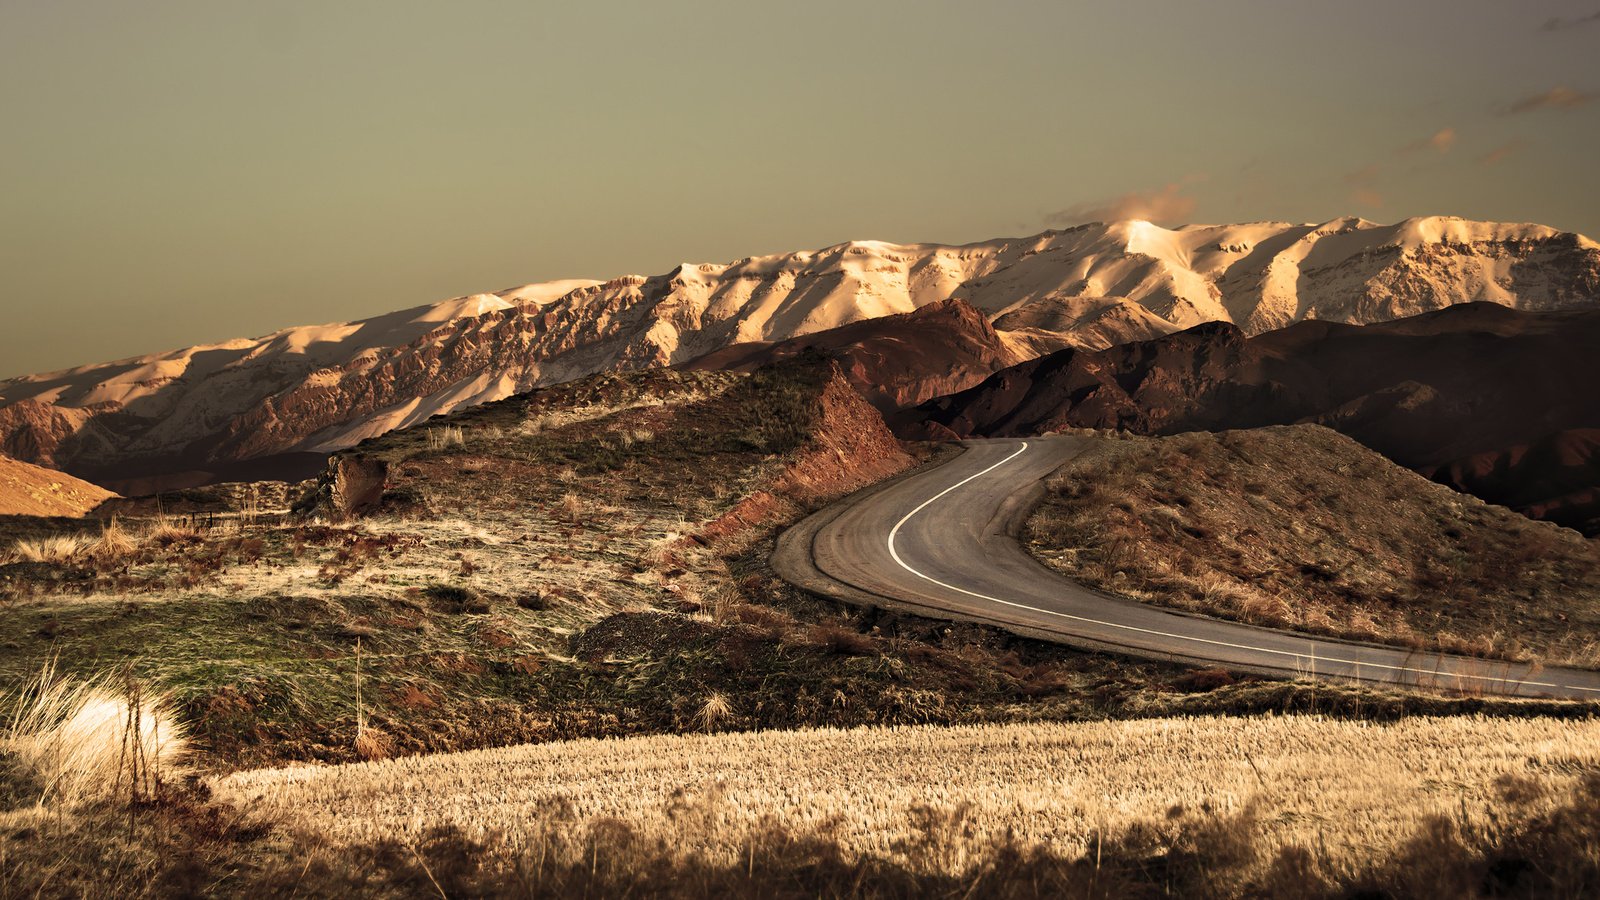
95 802
1253 800
1299 527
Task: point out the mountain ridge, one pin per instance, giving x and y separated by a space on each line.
315 389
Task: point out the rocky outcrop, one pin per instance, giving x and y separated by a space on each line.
848 446
352 486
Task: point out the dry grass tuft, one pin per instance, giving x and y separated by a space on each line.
166 532
840 639
446 437
372 744
97 738
57 548
715 711
115 541
572 506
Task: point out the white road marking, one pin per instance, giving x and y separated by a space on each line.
1312 657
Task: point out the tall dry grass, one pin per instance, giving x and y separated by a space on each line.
92 738
115 541
1347 793
55 548
445 437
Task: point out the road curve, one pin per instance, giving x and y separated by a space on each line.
942 542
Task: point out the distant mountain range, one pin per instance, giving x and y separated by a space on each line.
269 405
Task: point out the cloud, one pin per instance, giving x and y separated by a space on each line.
1440 142
1366 197
1502 153
1365 175
1559 24
1555 98
1168 204
1363 185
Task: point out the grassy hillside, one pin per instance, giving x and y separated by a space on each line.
1300 527
459 611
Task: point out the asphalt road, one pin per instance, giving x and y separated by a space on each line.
942 543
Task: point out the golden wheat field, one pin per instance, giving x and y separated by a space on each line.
1345 790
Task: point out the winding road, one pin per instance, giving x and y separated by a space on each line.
942 542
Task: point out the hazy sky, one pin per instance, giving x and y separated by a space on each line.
182 172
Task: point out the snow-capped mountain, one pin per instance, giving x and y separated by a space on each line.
326 387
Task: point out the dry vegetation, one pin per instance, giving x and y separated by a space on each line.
1347 789
504 535
587 560
71 741
1296 806
1302 528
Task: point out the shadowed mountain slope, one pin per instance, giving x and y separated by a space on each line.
1433 392
894 361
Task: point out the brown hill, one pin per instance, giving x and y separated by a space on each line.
30 490
1427 392
894 361
1256 526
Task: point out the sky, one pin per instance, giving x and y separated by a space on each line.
185 172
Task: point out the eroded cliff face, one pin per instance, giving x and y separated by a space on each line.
322 388
1556 478
847 447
